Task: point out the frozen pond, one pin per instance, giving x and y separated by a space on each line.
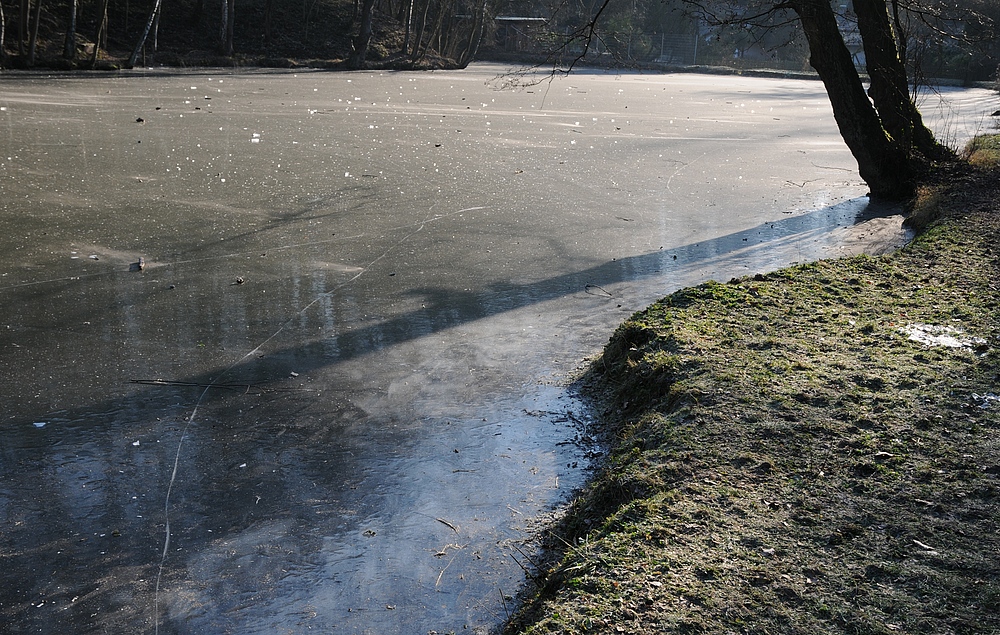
333 398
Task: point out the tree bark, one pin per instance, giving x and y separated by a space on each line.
357 59
882 163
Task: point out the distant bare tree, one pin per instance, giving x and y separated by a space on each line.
420 29
3 29
69 46
363 38
102 25
22 25
145 34
33 41
475 35
409 27
226 30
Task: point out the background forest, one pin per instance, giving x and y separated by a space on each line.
945 40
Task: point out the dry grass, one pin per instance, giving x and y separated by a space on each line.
984 151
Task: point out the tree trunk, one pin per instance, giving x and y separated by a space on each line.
435 34
230 26
357 59
3 29
889 87
900 32
420 31
438 34
33 42
447 36
145 34
69 46
882 163
223 25
102 24
409 27
156 31
22 26
475 37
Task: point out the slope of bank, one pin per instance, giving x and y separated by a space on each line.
810 450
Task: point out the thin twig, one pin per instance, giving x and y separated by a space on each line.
526 557
589 286
503 600
244 386
527 572
560 539
445 522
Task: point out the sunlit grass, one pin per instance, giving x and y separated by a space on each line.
984 150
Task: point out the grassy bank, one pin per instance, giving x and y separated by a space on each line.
786 459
